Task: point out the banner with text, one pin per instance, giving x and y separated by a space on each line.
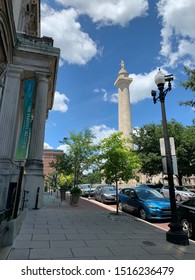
23 142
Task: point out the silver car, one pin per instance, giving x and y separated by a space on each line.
181 193
105 194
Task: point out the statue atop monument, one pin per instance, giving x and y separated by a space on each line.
122 64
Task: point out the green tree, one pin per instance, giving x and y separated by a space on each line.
65 181
186 153
118 160
93 177
62 164
80 151
63 168
189 84
146 140
147 144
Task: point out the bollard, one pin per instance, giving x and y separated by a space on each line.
17 195
37 199
24 199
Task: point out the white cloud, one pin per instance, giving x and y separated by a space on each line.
63 147
63 26
114 98
47 146
140 88
106 96
76 46
109 12
178 32
59 102
50 123
101 132
142 85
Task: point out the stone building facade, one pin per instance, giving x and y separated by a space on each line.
28 71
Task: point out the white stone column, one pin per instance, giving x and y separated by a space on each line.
34 165
9 112
38 129
124 112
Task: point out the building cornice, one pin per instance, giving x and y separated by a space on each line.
38 55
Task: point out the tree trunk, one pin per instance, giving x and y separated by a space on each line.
179 177
116 197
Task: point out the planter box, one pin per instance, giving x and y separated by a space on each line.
62 195
74 199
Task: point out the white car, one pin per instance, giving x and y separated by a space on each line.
181 193
87 190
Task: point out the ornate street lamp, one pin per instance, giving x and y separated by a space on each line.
175 235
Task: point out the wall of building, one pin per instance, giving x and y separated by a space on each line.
49 156
33 61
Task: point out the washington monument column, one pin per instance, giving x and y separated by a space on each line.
124 113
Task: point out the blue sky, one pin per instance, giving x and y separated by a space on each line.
94 36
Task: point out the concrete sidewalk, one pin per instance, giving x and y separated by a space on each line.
61 231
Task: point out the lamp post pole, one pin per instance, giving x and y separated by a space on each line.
175 235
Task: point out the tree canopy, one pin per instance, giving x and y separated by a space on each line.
118 160
147 144
189 84
79 154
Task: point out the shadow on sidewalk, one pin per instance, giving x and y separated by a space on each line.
52 200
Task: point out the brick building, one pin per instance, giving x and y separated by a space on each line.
49 155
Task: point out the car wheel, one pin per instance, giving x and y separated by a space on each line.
178 198
162 194
120 206
142 214
187 227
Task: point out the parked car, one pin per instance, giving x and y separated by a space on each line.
146 202
87 190
181 193
186 214
105 193
192 190
156 187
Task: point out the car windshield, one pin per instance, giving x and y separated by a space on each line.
153 186
148 194
85 187
108 189
181 188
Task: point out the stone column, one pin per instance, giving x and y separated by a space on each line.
34 166
124 112
9 112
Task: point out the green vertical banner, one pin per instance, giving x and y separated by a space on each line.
23 142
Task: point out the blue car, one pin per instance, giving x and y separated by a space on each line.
147 203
